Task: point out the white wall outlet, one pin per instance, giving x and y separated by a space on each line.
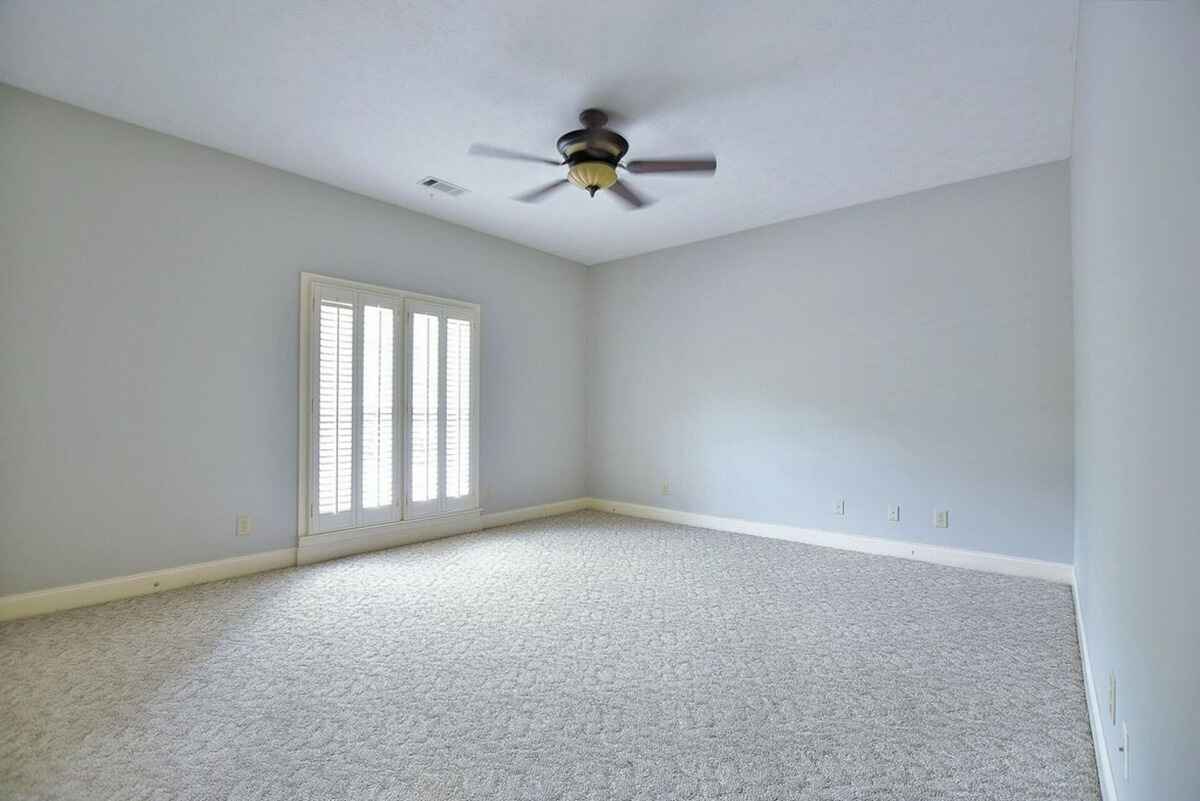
244 525
1112 697
839 506
894 513
941 518
666 488
1125 750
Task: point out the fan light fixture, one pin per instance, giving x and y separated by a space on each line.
592 175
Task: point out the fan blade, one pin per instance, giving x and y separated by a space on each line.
504 153
626 193
707 164
533 196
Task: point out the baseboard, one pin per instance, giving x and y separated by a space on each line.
1108 787
511 516
56 599
321 547
1058 572
336 544
315 548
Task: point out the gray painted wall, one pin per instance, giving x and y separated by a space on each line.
913 351
148 320
1135 192
151 288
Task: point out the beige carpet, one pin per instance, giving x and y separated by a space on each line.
588 656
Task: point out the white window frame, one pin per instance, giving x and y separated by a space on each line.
314 286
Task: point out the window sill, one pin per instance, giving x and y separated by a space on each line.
333 544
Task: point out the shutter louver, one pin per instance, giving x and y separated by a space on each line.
424 422
458 408
378 402
335 407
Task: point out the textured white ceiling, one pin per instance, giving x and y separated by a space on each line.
809 106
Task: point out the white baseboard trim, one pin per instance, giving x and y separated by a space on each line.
314 548
1058 572
1108 787
321 547
335 544
534 512
39 602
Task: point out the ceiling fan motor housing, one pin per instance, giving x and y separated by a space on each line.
592 155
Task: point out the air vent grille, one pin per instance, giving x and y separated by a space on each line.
442 186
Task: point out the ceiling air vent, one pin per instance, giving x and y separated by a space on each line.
442 186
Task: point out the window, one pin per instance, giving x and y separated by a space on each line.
392 428
441 429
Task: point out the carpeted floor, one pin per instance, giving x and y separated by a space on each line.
588 656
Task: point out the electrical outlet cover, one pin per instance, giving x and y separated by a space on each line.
1125 749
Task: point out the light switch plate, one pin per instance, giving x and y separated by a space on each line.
941 518
839 506
894 513
1112 697
244 525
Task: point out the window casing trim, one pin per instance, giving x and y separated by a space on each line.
404 300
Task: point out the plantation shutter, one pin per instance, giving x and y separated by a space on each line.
379 497
392 407
442 430
460 422
334 412
354 442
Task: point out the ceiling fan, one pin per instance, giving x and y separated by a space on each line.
593 155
